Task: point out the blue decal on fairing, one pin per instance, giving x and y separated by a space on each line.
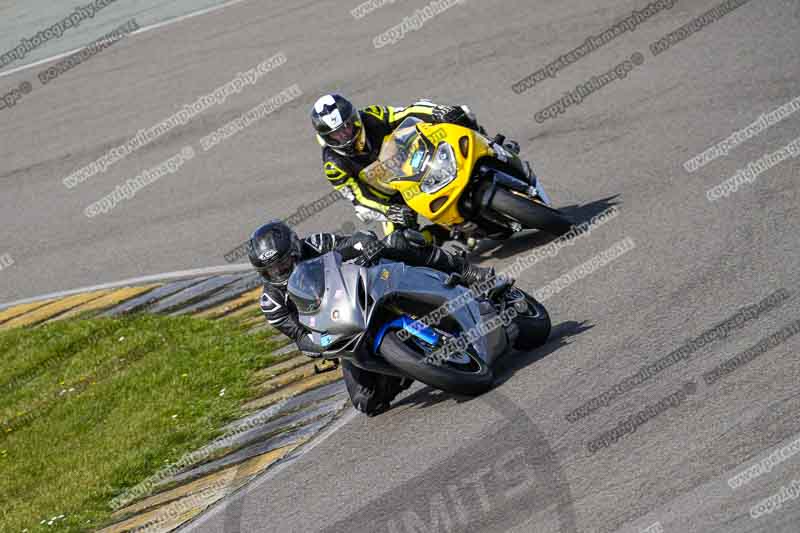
417 329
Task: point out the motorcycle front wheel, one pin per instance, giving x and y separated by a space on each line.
529 213
463 374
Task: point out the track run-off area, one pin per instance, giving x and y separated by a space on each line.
672 367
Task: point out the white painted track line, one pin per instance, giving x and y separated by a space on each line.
167 276
151 27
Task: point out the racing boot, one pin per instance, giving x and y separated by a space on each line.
473 274
464 273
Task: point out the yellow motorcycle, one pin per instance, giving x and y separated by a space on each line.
463 181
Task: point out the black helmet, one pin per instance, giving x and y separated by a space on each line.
274 249
338 124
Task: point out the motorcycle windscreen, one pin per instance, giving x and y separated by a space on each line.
307 285
404 156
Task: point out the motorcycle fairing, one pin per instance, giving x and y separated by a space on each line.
353 293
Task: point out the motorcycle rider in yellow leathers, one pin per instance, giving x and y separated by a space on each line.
351 140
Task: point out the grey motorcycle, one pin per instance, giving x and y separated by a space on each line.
414 322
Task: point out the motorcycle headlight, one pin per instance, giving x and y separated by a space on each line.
442 169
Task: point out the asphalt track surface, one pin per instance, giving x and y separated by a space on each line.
508 460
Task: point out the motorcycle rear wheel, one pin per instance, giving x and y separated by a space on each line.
534 325
411 360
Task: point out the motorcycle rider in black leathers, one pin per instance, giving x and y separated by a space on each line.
274 250
352 139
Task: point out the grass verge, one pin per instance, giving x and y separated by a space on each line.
91 407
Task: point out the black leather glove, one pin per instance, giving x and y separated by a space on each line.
307 346
459 115
402 216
